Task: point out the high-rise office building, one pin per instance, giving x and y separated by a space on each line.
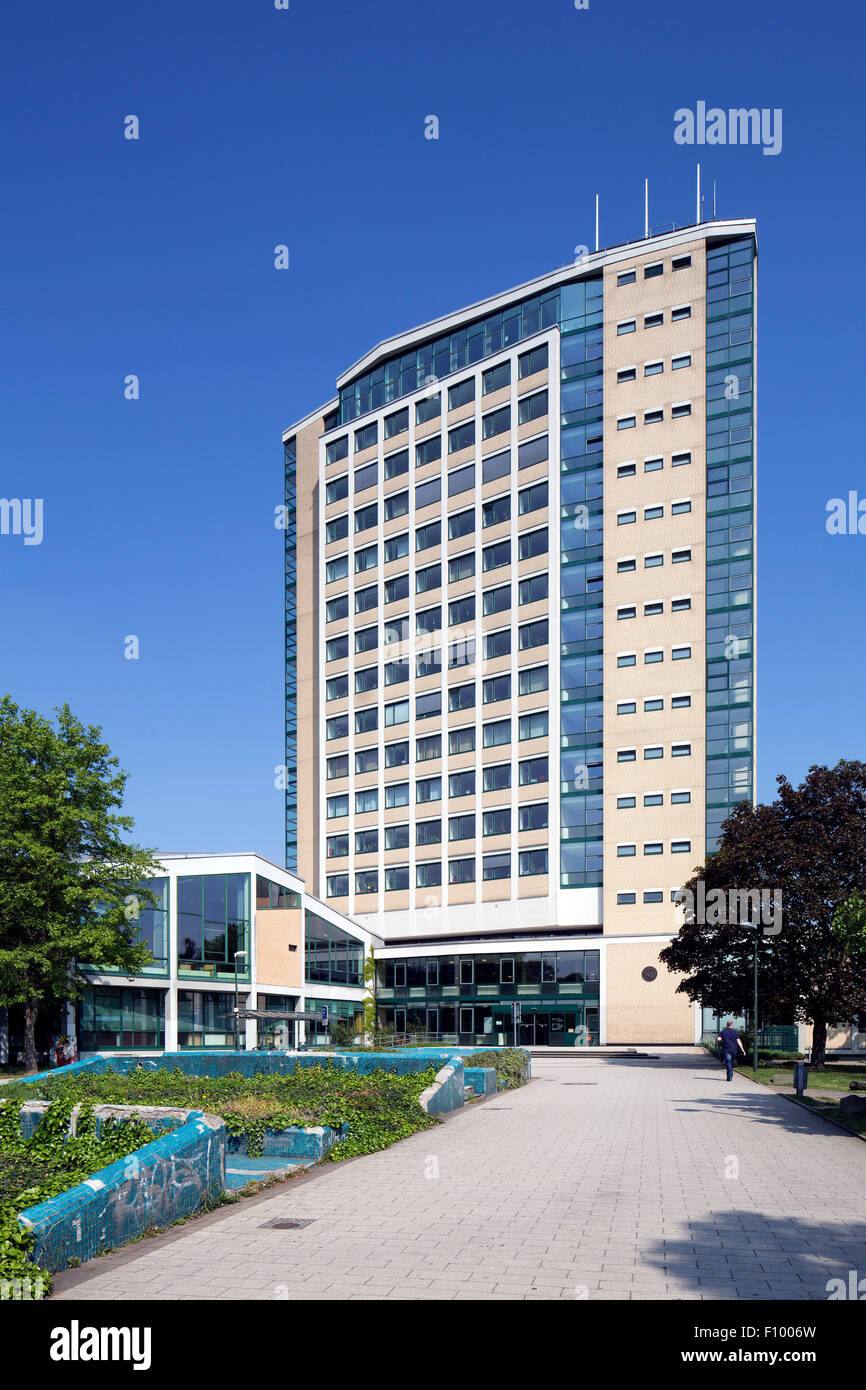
519 639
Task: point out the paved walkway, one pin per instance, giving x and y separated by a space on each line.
602 1179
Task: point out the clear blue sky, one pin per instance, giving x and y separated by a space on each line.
306 127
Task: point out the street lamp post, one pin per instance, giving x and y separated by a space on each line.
753 926
238 954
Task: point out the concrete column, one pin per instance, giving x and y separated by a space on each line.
171 1017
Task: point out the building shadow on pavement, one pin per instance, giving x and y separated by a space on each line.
767 1108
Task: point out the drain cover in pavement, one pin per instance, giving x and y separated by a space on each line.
580 1083
286 1223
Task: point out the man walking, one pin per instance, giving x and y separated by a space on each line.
730 1040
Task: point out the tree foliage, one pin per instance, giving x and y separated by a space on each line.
810 843
70 881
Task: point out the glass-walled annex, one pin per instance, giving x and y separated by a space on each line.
469 998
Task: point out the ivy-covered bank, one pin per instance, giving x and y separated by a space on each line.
48 1163
379 1107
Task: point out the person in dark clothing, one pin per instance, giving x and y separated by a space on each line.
730 1041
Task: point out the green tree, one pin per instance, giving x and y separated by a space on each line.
810 844
371 1019
70 883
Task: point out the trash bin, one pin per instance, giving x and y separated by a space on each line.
801 1077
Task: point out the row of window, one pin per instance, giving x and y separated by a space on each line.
397 504
496 777
494 512
654 750
531 680
496 822
653 559
678 798
650 895
681 311
653 465
654 847
494 734
655 417
653 610
653 656
655 703
653 368
530 544
429 663
397 879
429 620
459 524
650 272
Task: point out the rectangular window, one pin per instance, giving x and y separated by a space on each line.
679 557
533 634
680 798
533 679
532 771
497 510
684 311
461 437
533 725
461 740
429 620
461 697
654 799
396 423
396 794
653 320
681 701
397 879
625 277
626 755
532 407
626 326
532 862
532 499
366 517
653 560
337 886
337 688
532 451
337 767
496 866
337 648
533 589
428 579
497 822
396 589
366 437
428 408
681 653
461 611
462 783
679 412
653 465
496 422
428 789
496 688
337 490
496 555
528 363
337 608
428 451
653 847
677 363
337 569
337 530
681 750
625 851
679 508
366 680
681 262
626 422
656 751
337 846
396 672
366 639
428 832
337 806
625 899
652 658
461 393
625 566
461 871
651 271
626 659
625 518
626 470
677 460
396 505
367 719
397 754
427 536
397 464
534 816
366 477
366 881
626 707
461 524
532 543
337 727
397 548
428 875
625 803
653 368
461 480
461 567
653 705
497 778
337 449
495 378
497 644
653 417
397 712
626 374
366 841
427 494
628 612
366 599
681 846
366 801
461 828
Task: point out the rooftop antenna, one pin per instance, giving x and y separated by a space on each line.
714 200
646 207
698 206
596 221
